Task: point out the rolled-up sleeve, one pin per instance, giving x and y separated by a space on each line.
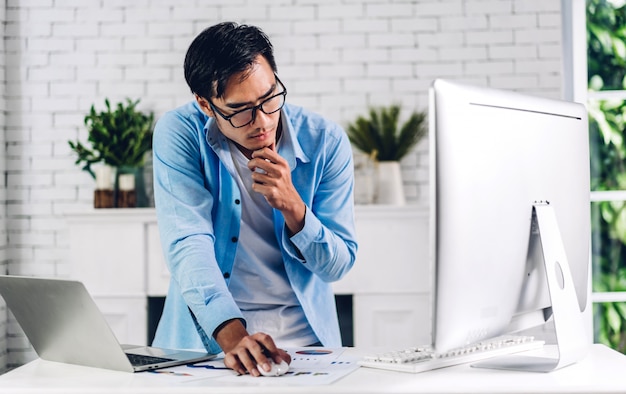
327 244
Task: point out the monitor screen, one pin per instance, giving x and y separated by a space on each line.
494 154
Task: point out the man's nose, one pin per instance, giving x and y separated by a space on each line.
260 118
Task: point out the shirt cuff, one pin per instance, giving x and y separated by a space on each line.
300 241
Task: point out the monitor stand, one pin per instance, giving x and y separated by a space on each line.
569 326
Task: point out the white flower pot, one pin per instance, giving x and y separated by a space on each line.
389 188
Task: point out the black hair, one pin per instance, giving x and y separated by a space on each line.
221 51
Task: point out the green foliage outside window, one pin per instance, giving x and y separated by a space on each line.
606 47
606 35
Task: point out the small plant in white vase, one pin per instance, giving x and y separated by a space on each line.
381 137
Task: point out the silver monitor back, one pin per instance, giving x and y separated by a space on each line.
493 155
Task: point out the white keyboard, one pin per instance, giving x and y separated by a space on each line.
421 359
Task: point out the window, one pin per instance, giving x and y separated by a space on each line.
604 92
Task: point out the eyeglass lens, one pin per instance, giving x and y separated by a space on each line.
269 106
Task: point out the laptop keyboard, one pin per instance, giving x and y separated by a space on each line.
140 359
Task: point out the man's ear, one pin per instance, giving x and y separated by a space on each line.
204 105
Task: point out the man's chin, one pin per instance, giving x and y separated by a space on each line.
266 142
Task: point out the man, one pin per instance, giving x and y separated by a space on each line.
254 200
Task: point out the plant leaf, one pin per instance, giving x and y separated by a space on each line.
120 135
381 134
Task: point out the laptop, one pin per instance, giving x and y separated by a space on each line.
63 324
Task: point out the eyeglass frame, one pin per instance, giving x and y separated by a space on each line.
254 109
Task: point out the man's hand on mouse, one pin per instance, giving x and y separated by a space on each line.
255 351
276 370
249 351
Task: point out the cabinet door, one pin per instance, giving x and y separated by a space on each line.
395 321
108 253
109 256
393 252
127 317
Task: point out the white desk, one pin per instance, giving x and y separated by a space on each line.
603 371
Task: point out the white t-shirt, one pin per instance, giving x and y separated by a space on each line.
259 282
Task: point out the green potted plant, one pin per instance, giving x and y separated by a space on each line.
381 137
118 137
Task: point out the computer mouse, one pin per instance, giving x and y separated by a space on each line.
276 370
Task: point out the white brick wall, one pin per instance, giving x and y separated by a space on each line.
335 56
3 209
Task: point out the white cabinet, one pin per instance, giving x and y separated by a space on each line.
390 281
109 253
117 254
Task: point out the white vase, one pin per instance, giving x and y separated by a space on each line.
364 179
389 188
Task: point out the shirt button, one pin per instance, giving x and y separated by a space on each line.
237 201
226 275
234 239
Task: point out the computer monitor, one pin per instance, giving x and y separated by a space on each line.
509 172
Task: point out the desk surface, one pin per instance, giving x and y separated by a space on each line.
602 371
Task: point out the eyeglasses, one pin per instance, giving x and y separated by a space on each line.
246 116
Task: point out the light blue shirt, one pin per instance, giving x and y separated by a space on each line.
198 206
